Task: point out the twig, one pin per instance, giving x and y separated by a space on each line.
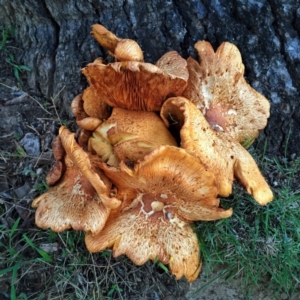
53 99
17 100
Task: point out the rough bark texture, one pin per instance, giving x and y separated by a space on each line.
55 37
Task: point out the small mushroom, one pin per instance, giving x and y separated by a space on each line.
58 169
218 88
161 195
94 104
129 136
135 85
122 49
223 156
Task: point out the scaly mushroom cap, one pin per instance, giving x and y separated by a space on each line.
129 135
122 49
173 177
135 85
162 194
142 238
218 88
88 166
72 203
224 157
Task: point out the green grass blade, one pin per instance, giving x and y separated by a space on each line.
46 257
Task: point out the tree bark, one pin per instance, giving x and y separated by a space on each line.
56 43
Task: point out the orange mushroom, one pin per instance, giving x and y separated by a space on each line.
129 136
81 198
135 85
161 195
122 49
223 156
218 88
58 169
72 203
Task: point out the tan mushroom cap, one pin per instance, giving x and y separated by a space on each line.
122 49
55 173
88 166
162 194
83 120
58 168
129 135
142 238
71 203
218 88
94 104
225 157
173 177
135 85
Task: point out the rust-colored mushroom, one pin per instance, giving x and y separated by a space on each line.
122 49
81 198
218 88
72 203
129 136
225 157
161 195
88 166
58 168
135 85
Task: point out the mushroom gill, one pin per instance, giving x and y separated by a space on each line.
223 156
135 85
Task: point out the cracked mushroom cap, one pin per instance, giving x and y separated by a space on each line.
162 194
122 49
218 88
225 157
129 136
137 86
72 203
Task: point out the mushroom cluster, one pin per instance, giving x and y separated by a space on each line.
156 146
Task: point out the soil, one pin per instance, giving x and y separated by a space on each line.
28 126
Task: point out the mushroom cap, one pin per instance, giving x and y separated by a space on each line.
130 135
58 168
55 173
58 149
161 195
142 238
135 85
221 155
175 178
88 166
94 104
77 108
122 49
218 88
72 203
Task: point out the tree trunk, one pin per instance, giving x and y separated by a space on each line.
56 43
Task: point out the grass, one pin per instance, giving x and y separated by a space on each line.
258 245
